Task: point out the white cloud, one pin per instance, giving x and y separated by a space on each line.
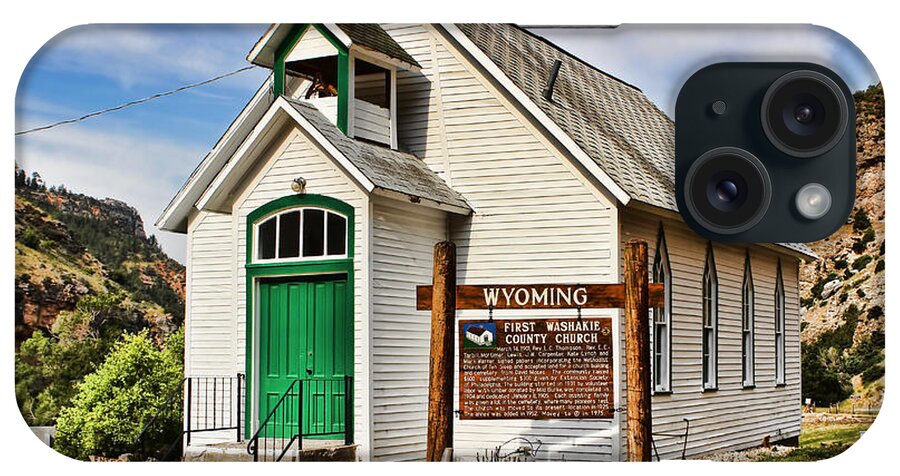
137 55
141 155
127 165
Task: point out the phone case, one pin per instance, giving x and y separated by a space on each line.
410 244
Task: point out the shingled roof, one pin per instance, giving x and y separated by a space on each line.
373 37
613 122
386 168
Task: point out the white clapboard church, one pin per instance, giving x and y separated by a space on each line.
314 217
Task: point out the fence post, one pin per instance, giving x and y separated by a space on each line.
440 378
637 351
299 414
237 407
190 404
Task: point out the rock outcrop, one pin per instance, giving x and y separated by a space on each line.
69 245
847 283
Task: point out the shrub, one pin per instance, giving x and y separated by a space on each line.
874 312
860 244
113 403
840 264
872 374
879 266
862 262
30 238
860 293
861 220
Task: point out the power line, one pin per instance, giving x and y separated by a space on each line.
135 102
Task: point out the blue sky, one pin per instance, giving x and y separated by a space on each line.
143 154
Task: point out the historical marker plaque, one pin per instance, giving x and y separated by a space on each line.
535 368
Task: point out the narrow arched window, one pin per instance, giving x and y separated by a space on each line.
710 321
779 327
747 326
301 234
662 319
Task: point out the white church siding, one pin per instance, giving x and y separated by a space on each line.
537 218
403 241
311 45
731 417
209 293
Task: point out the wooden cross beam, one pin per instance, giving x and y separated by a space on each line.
540 296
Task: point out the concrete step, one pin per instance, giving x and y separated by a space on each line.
313 450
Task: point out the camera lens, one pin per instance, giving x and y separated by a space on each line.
804 113
727 190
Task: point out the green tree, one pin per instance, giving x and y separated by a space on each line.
48 367
115 402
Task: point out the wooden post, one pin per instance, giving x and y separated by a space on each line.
440 377
637 351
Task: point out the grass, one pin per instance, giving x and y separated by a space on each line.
823 441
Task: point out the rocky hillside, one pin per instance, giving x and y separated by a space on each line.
70 245
842 294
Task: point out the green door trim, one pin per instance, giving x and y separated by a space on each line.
256 271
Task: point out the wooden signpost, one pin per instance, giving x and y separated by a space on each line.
440 375
549 347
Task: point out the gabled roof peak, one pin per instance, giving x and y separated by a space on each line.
368 37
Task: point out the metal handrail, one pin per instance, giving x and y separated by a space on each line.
159 411
253 444
203 400
282 407
684 436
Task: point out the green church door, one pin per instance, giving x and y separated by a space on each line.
305 333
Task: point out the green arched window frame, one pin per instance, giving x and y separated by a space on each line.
288 203
305 266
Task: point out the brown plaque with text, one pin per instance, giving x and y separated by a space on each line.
535 369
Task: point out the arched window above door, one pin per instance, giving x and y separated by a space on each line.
302 233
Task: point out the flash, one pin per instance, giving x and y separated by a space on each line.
813 201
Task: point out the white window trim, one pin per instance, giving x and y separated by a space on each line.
712 294
661 266
301 258
748 325
780 317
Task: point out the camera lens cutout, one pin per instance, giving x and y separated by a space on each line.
804 113
727 190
